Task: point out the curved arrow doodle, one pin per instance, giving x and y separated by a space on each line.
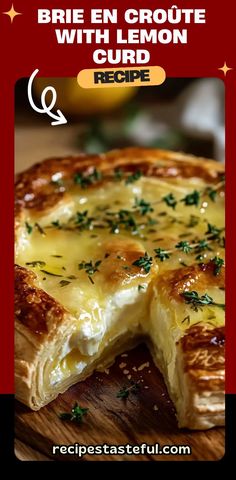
59 118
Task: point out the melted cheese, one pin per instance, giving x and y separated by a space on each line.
99 300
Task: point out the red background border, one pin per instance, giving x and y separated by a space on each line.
26 46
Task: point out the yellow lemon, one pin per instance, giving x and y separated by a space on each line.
75 100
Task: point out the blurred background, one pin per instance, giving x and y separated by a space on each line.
181 114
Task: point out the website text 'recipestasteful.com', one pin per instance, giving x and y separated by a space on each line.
127 449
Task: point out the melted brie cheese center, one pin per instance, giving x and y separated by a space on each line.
97 302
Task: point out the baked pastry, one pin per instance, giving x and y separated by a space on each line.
117 248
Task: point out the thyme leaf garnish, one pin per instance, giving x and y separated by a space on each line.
63 283
125 391
214 232
184 246
36 263
83 221
40 229
85 181
29 228
50 273
162 254
133 177
192 298
142 206
170 200
191 199
90 268
193 221
118 174
218 264
211 193
75 415
56 224
144 262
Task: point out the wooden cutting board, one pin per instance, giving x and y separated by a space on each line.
147 416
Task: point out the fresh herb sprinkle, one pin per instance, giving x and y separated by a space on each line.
161 254
144 262
75 415
192 298
125 391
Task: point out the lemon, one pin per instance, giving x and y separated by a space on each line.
75 100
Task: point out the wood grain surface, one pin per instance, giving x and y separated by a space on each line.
145 417
24 452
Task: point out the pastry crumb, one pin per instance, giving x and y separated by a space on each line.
129 377
156 408
126 372
134 369
124 355
122 365
107 371
144 365
146 386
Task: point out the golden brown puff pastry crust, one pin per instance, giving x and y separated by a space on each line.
34 188
43 323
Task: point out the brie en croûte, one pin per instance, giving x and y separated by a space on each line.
115 249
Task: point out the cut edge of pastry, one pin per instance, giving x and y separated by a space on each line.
194 409
197 391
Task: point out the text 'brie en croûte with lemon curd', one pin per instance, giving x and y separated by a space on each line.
112 250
